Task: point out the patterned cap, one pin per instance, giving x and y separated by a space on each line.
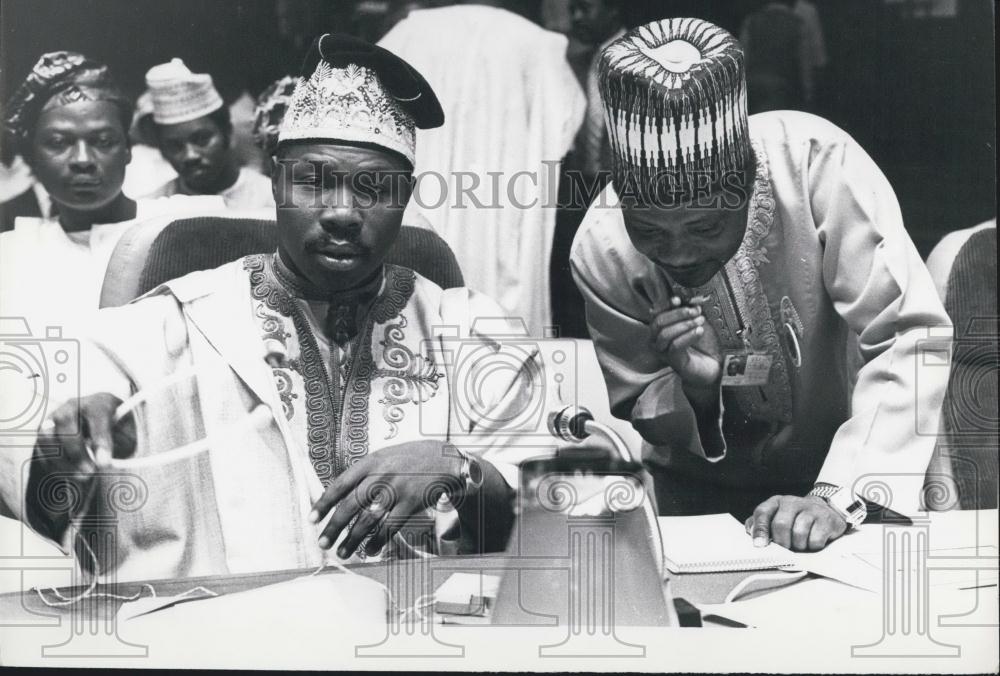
352 91
178 95
674 94
270 111
61 78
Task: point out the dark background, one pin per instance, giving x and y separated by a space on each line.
918 94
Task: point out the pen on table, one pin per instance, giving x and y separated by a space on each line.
879 514
978 586
725 621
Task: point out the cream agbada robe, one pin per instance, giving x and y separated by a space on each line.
825 269
243 506
487 180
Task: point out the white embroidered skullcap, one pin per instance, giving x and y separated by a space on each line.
178 95
355 92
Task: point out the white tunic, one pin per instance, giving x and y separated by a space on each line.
487 180
53 278
252 190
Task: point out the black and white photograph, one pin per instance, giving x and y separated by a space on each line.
510 335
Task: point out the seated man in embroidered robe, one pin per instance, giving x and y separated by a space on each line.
356 363
758 310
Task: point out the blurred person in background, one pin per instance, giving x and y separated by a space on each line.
512 108
778 60
69 120
593 25
20 192
149 169
555 15
814 53
194 132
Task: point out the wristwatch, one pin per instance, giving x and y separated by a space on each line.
851 507
471 473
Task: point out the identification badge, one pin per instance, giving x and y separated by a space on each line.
746 369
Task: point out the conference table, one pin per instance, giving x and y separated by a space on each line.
931 607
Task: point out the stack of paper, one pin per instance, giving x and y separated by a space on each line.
716 543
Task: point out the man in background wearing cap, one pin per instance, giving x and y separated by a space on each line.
194 133
344 356
774 243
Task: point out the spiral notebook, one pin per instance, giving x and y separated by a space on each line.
714 543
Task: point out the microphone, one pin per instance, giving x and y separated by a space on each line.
576 423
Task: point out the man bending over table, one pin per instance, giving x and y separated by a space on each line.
755 301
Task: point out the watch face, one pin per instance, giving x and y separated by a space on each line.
857 513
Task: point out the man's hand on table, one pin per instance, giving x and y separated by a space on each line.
386 488
801 524
61 450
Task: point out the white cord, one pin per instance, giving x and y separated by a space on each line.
421 602
257 419
344 569
142 395
89 591
787 576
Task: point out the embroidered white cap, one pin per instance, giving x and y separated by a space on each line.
178 95
348 104
356 92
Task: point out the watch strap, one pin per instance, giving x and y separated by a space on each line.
854 512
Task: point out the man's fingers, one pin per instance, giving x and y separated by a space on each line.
69 437
381 534
344 511
688 339
762 521
97 420
674 316
338 488
819 536
827 528
358 502
781 524
391 525
801 530
669 337
368 520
